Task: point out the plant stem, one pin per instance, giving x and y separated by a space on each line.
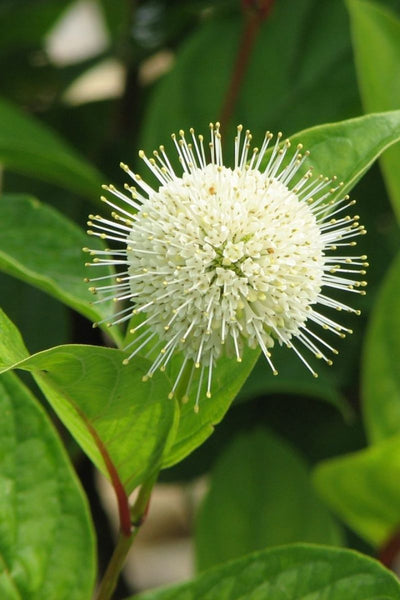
115 565
138 515
390 550
256 13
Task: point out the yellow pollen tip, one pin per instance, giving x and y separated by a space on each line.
125 361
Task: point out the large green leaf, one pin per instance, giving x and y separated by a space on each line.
28 146
47 548
376 40
363 488
381 360
348 148
259 474
122 423
298 572
44 248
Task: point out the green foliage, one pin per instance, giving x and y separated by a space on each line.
275 93
381 374
12 347
123 424
347 149
27 22
27 146
260 496
50 256
376 38
363 489
195 428
298 72
34 309
46 537
298 572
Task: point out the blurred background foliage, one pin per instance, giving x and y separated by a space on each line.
86 84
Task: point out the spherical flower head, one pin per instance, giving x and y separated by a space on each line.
219 257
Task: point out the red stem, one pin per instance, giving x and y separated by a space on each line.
389 550
122 498
256 13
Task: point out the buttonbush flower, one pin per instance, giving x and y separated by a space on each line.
215 258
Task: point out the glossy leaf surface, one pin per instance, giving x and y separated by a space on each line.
122 423
47 547
297 572
44 248
363 489
376 41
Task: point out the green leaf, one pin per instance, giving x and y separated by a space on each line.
44 248
259 474
29 147
123 424
47 547
347 149
194 428
381 360
363 488
12 347
313 63
376 41
298 572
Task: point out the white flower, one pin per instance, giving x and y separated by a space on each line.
217 258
